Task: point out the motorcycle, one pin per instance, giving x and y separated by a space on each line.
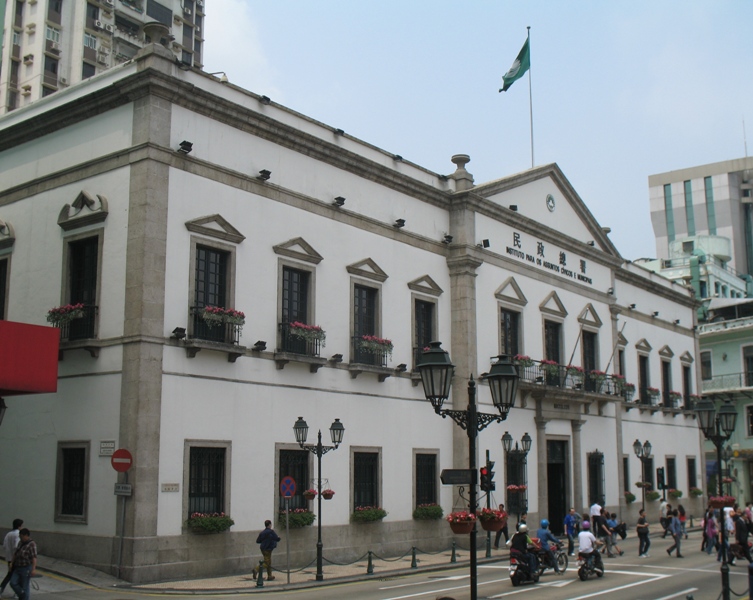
545 562
587 566
520 570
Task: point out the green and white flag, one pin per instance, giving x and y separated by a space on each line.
519 67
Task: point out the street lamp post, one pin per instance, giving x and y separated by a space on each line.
336 431
718 427
643 452
522 452
436 375
727 456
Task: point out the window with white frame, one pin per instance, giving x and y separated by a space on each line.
53 34
90 41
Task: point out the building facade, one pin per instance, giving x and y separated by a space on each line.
152 192
52 44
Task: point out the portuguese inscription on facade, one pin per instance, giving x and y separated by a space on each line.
539 259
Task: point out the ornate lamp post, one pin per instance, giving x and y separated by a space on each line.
436 375
336 431
727 456
643 452
718 427
522 452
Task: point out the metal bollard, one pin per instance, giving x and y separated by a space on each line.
453 558
370 566
413 563
260 574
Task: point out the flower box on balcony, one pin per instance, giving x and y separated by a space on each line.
215 316
60 315
373 344
310 333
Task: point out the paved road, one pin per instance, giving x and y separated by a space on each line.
627 578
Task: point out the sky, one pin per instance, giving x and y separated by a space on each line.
620 89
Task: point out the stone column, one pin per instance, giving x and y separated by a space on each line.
577 467
541 462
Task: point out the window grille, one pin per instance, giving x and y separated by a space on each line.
596 478
295 464
73 484
206 486
426 479
365 479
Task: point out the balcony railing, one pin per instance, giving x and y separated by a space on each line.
223 333
80 329
365 356
560 376
296 344
729 381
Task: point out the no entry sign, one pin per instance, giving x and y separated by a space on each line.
121 460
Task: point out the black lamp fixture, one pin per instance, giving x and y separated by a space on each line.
655 313
264 175
437 371
718 427
3 408
401 368
447 239
185 147
336 358
513 207
643 452
591 243
677 321
223 78
265 100
339 132
178 333
610 291
336 431
397 158
339 201
484 244
631 306
399 223
259 346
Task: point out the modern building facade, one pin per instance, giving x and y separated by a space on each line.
152 192
52 44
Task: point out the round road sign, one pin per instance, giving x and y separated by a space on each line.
287 487
121 460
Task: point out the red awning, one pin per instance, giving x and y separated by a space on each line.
28 358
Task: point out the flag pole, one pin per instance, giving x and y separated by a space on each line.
530 94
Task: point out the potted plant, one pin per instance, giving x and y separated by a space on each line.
653 394
214 316
694 398
629 497
575 373
673 493
368 514
61 315
522 360
490 519
209 522
652 496
695 492
628 390
328 494
376 345
674 398
461 521
428 512
297 517
643 484
516 488
551 368
310 333
722 501
597 379
309 494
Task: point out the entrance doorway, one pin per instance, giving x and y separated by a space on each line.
556 476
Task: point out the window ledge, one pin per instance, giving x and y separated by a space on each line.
357 368
314 362
194 346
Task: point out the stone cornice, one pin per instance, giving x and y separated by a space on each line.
646 284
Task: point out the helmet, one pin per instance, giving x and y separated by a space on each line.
523 528
585 525
544 523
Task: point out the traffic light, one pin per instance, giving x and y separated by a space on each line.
660 478
487 477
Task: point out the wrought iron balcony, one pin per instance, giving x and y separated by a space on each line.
82 328
220 332
296 344
728 382
559 376
368 356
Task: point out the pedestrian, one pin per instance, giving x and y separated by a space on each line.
725 520
595 509
24 565
642 530
267 541
741 537
10 543
710 531
603 532
614 526
571 530
503 529
683 517
666 512
675 530
521 521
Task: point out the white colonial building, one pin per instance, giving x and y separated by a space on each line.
150 192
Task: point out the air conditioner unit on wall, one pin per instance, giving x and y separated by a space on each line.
99 24
109 2
63 81
55 47
109 28
29 59
199 2
186 11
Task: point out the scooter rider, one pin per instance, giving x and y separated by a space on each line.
588 544
520 542
545 536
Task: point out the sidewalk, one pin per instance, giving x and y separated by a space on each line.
298 579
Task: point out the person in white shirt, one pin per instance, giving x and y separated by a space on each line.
10 542
587 544
595 510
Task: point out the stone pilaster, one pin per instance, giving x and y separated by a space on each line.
577 466
541 461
